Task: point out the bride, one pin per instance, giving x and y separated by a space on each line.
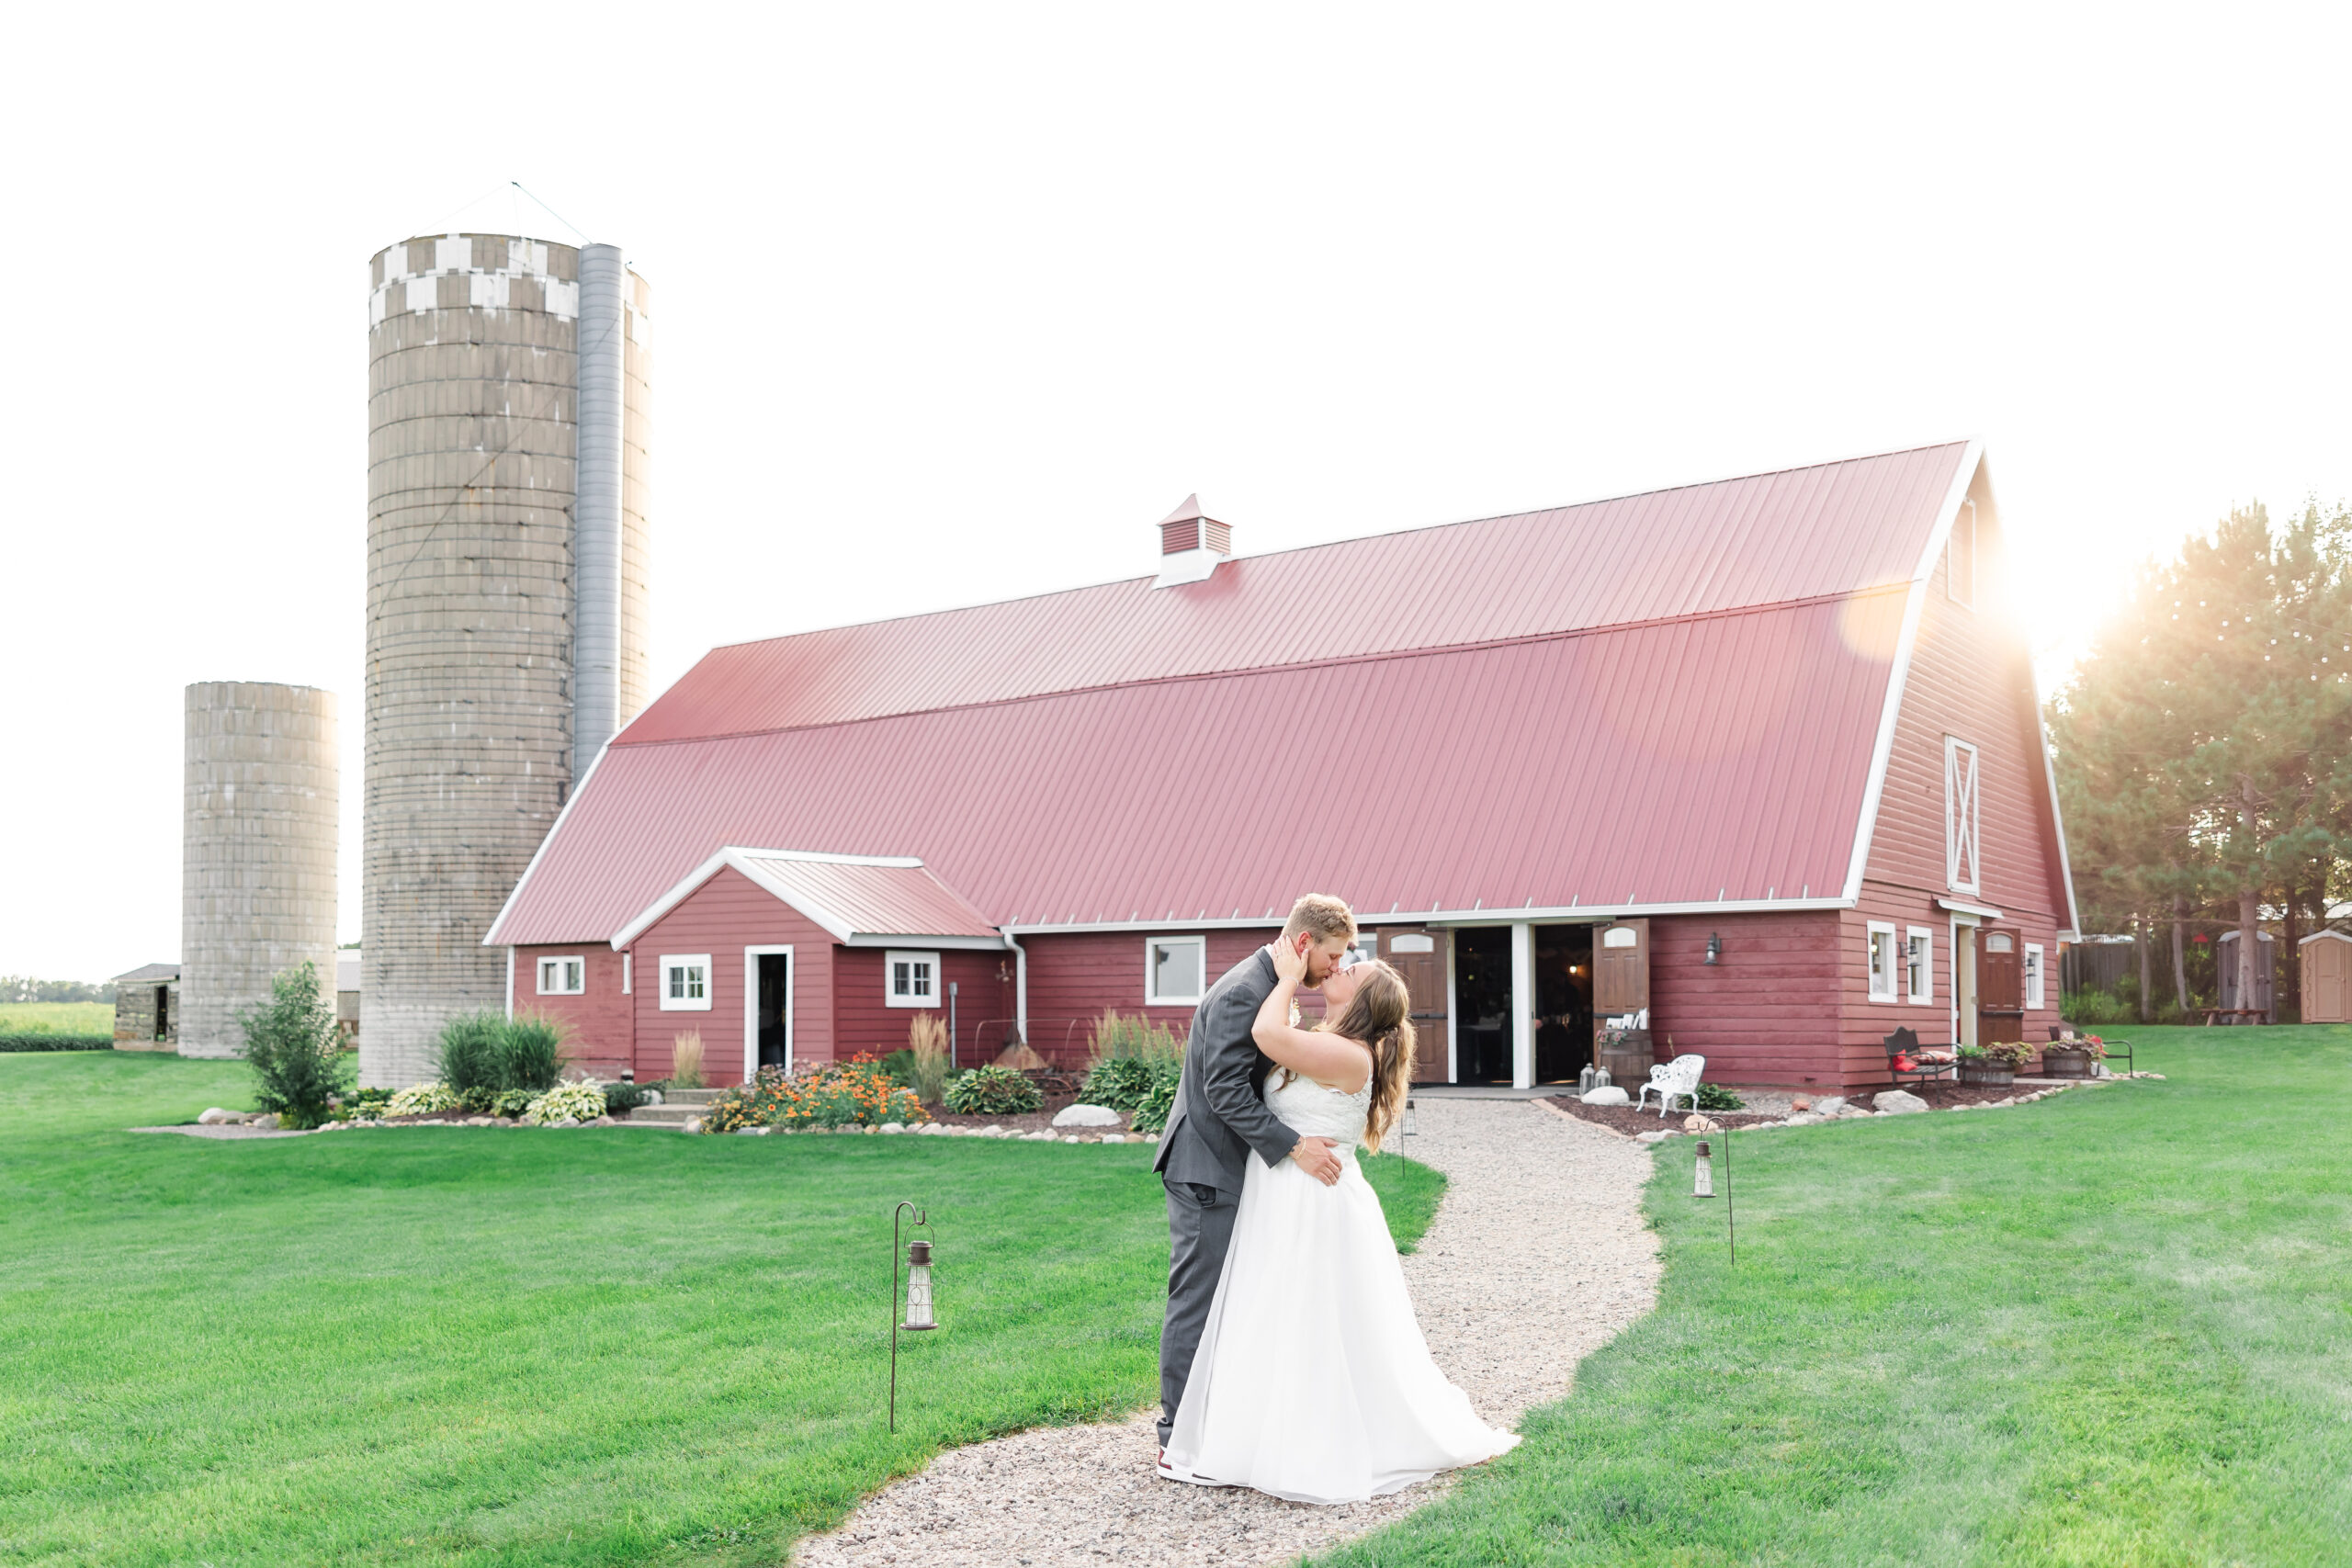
1312 1380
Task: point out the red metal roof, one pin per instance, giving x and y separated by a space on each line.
856 897
1835 528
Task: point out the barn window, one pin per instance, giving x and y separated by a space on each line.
1175 970
912 979
685 982
2034 975
1883 961
1919 965
1961 815
563 977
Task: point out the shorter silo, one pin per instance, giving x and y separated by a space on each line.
257 851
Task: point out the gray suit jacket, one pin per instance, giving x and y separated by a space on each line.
1218 1117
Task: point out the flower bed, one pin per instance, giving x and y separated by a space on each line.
831 1094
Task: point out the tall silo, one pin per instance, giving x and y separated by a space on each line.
508 426
257 851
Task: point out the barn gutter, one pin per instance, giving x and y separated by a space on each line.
1020 982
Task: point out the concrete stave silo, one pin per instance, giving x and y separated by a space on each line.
487 521
257 851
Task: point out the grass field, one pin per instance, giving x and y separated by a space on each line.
2110 1328
474 1347
59 1018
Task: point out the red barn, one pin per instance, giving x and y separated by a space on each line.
1763 756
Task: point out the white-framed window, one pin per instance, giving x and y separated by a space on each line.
1919 965
564 976
1883 962
2034 975
1365 949
1175 970
685 982
910 979
1961 815
1959 558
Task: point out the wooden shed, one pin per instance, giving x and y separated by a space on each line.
2327 978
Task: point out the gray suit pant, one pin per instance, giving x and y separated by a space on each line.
1200 1229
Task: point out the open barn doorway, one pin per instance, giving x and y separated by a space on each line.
1481 1004
1563 1002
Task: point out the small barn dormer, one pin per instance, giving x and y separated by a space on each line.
1192 543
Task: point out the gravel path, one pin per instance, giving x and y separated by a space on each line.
1537 1257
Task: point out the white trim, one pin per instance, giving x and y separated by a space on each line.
626 967
1522 1005
1928 969
1979 911
670 961
1565 914
1452 1028
1151 999
1974 572
1894 990
2032 965
510 982
1968 843
745 861
1898 677
578 787
540 974
910 956
2057 822
752 956
2339 936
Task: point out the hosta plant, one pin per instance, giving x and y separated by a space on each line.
1151 1111
423 1099
993 1091
581 1102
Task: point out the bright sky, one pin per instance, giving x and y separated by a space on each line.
954 302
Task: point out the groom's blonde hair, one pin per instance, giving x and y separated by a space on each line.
1325 915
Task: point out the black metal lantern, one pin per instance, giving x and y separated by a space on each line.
1703 1174
1409 1130
1714 947
920 1318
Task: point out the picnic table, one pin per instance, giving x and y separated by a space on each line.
2252 1015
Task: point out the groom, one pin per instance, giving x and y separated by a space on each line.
1217 1119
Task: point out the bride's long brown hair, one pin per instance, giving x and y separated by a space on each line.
1379 1014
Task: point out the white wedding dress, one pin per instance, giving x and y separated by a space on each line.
1312 1382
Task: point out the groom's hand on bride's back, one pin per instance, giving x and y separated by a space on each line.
1314 1157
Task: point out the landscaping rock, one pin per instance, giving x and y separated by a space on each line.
1898 1102
1114 1137
894 1126
1829 1105
1805 1119
565 1121
215 1117
1652 1137
1611 1095
1083 1115
1695 1123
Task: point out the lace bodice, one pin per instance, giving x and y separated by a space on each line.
1308 1108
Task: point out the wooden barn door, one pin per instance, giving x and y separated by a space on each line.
1621 967
2000 987
1420 957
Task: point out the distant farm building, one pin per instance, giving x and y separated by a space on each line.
1761 760
147 1008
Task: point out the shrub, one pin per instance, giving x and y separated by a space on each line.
1117 1037
831 1094
2094 1007
581 1102
992 1091
926 1056
423 1099
1716 1097
35 1037
1151 1112
620 1099
513 1102
685 1059
365 1104
473 1057
295 1050
1133 1059
531 1052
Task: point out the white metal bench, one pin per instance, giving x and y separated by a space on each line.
1673 1081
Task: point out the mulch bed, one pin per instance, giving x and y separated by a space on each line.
1943 1093
1029 1122
1625 1119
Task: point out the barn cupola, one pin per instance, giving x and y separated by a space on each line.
1190 545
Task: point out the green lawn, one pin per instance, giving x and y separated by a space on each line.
2108 1328
58 1017
475 1346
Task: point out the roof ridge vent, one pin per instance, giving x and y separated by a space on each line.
1192 543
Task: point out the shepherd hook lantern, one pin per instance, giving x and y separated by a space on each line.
1703 1185
1703 1180
918 1317
1409 1116
1714 947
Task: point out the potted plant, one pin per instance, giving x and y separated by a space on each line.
2072 1057
1993 1065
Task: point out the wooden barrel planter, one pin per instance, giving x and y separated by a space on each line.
1987 1074
1627 1055
2057 1061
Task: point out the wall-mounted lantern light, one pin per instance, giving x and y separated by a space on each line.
1714 947
919 1314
